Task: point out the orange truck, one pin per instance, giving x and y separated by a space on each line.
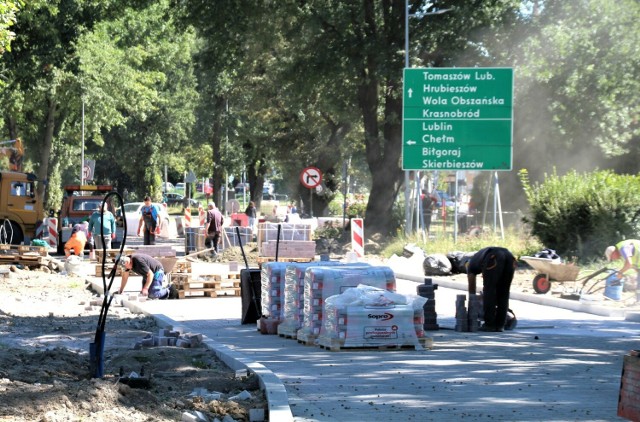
21 211
79 202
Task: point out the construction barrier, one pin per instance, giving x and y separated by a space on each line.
48 231
357 236
187 217
202 214
179 226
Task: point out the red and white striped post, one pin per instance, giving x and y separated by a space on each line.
357 236
48 231
187 217
202 214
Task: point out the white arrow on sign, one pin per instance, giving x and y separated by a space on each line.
410 91
411 142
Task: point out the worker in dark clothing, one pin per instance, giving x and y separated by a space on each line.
154 280
497 266
149 221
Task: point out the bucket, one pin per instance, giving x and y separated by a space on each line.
613 287
193 239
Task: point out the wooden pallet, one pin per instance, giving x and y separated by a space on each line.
305 338
111 254
182 267
23 250
107 269
336 345
287 332
28 260
265 259
182 294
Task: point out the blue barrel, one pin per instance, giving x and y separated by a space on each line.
613 287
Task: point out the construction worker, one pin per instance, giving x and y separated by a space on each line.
154 280
629 250
77 241
108 227
150 220
497 266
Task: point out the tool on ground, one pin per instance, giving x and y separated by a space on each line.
553 271
250 289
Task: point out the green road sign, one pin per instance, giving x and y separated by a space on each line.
457 119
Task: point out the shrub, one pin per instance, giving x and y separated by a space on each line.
580 214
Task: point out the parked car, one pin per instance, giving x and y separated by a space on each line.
180 186
133 213
168 187
242 186
177 199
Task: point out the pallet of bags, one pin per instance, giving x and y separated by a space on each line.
321 283
292 299
370 317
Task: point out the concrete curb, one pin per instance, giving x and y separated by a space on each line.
275 392
537 299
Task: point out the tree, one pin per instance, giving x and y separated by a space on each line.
8 10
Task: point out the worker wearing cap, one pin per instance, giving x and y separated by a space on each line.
629 251
154 280
213 227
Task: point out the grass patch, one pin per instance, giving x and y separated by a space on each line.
518 242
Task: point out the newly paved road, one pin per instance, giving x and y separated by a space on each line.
558 365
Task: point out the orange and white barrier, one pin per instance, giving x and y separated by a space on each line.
357 236
203 216
48 231
187 217
179 226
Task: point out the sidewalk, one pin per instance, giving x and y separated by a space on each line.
558 364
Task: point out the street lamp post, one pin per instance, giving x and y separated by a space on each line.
407 188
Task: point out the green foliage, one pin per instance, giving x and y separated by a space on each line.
8 10
579 214
330 231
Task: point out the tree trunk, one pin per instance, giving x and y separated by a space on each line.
216 145
45 152
383 147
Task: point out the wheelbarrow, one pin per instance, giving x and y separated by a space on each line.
551 270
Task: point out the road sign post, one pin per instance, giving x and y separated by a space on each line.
457 119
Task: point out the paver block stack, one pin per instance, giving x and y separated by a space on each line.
294 242
289 248
322 282
629 397
462 319
475 306
427 290
110 255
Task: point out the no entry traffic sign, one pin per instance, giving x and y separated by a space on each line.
311 177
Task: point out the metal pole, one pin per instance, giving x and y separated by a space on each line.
82 153
407 203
